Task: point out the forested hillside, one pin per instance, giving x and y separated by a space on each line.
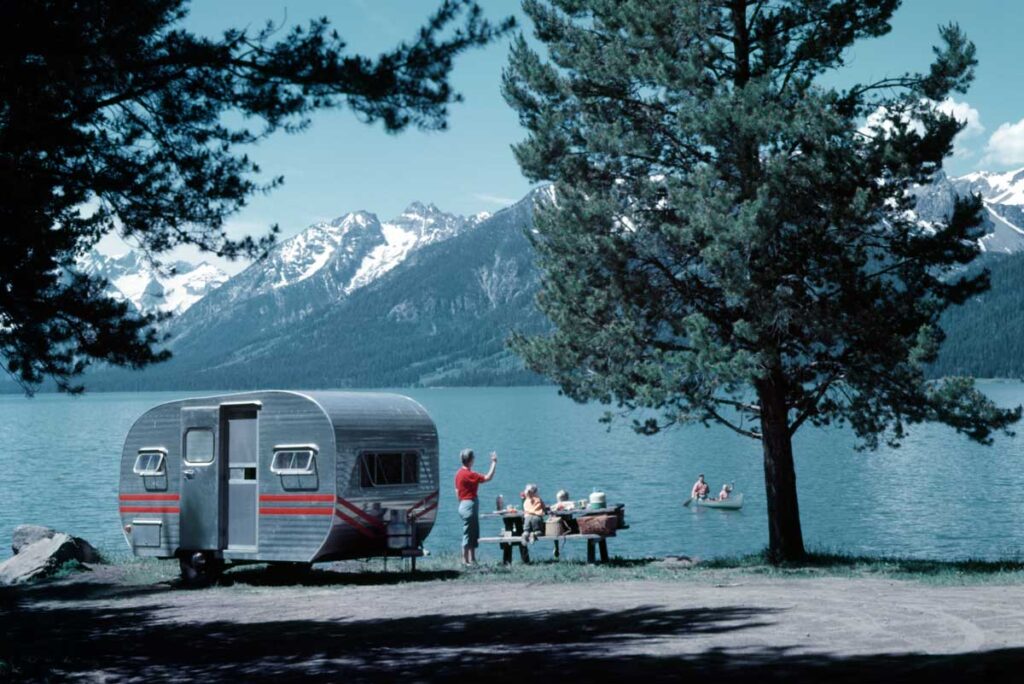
985 336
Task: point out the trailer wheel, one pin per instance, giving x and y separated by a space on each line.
200 568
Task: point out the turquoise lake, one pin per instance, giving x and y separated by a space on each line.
938 496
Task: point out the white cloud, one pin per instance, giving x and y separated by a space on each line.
1006 146
964 113
961 111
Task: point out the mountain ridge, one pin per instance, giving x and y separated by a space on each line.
348 304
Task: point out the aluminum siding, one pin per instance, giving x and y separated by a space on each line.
368 422
291 418
153 498
285 418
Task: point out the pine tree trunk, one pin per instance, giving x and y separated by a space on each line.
785 538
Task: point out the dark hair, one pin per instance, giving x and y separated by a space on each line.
467 456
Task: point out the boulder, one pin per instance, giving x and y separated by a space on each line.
25 535
40 559
87 553
29 534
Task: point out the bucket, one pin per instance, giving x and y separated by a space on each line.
597 500
400 533
555 527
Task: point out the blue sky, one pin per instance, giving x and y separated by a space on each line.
341 165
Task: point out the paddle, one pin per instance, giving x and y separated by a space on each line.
687 502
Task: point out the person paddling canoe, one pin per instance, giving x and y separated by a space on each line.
700 488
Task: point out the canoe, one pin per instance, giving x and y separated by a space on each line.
733 503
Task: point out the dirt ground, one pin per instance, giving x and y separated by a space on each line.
98 627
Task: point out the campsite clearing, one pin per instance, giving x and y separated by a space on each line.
372 626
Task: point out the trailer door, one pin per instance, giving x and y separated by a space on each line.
200 479
241 436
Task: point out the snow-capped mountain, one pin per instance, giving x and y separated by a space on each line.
424 298
131 277
312 271
349 252
1003 195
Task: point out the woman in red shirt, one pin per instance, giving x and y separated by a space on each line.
466 483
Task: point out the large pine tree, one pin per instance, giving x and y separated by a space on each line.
732 240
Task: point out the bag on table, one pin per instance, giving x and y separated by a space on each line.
603 525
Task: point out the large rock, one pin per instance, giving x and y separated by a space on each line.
40 559
29 534
26 535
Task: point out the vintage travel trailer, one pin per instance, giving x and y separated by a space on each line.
279 476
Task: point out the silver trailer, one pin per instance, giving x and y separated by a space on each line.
279 476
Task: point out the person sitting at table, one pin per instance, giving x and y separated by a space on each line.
533 514
700 488
562 502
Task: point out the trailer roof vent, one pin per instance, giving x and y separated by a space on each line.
294 460
150 462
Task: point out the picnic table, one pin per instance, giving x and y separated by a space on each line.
513 532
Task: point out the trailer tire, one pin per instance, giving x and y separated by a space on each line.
199 568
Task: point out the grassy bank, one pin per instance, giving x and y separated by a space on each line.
712 571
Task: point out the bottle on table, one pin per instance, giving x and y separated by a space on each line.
499 504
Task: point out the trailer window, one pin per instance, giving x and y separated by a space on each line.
385 468
149 463
293 462
199 446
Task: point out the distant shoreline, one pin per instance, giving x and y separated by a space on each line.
13 390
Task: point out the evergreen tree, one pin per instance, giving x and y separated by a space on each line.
729 242
114 118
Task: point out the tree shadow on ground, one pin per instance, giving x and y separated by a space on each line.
272 577
80 589
56 641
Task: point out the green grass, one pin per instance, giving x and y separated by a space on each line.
144 571
827 563
819 563
713 571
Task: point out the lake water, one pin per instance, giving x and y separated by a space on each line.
938 496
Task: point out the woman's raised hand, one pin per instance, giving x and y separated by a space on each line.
494 457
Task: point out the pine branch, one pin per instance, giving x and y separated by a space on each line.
732 426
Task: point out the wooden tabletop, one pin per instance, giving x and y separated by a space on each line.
608 510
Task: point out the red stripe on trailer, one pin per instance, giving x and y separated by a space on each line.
423 500
418 514
149 509
296 497
361 513
148 497
356 524
296 511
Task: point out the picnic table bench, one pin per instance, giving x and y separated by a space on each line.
507 543
513 533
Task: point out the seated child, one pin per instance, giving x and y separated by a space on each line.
562 502
533 514
724 494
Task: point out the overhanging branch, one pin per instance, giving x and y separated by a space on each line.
753 434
